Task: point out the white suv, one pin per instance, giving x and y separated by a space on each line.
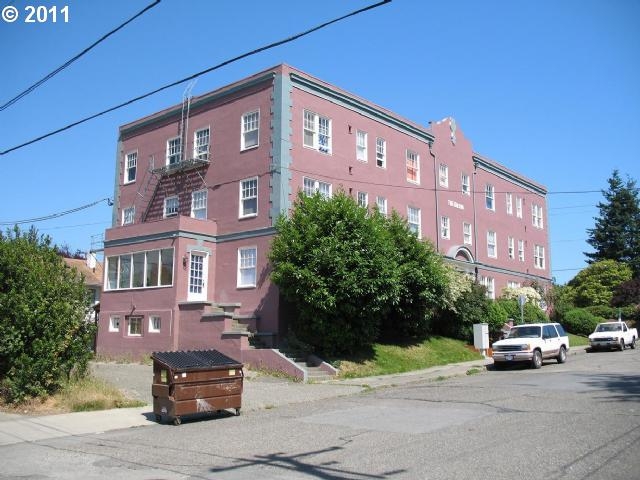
532 343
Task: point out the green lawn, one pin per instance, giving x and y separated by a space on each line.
577 340
386 359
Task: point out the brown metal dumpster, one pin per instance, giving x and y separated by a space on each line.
192 382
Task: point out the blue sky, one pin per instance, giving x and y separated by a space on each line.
550 89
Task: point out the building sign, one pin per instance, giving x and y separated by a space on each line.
457 205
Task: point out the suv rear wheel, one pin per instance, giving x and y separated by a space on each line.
536 361
562 355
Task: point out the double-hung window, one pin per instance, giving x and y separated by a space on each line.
445 230
519 207
381 152
490 284
413 219
201 139
489 192
154 323
536 216
128 215
250 130
511 247
361 146
363 199
521 250
381 203
538 256
310 186
171 206
444 175
247 265
199 204
249 197
466 185
492 250
413 167
131 164
509 198
174 151
316 132
467 233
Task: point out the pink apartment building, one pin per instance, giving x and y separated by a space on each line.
199 187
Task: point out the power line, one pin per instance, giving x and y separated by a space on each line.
70 61
59 214
196 75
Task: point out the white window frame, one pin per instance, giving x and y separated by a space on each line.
445 227
130 166
443 171
513 284
519 207
465 184
490 284
492 244
138 320
536 216
250 123
381 152
155 323
381 203
248 191
316 132
414 219
202 148
467 233
128 215
412 160
114 323
174 151
361 146
199 204
246 264
538 257
511 243
489 197
521 250
310 186
171 210
120 273
363 199
509 200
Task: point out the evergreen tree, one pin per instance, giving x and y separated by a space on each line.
616 234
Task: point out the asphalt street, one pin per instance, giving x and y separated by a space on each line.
579 420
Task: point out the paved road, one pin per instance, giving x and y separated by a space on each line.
580 420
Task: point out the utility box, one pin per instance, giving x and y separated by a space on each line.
481 337
194 382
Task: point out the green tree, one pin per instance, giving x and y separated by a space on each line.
43 333
336 265
616 234
472 306
422 281
595 284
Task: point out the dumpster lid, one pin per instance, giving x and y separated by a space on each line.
194 359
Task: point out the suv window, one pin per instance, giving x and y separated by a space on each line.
561 331
549 331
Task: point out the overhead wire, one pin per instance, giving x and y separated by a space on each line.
50 75
196 75
58 214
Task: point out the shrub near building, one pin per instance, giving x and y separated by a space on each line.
43 334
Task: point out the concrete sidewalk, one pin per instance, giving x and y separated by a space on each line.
259 392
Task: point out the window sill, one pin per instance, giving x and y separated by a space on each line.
245 287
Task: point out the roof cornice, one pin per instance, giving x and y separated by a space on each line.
506 174
197 103
353 103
